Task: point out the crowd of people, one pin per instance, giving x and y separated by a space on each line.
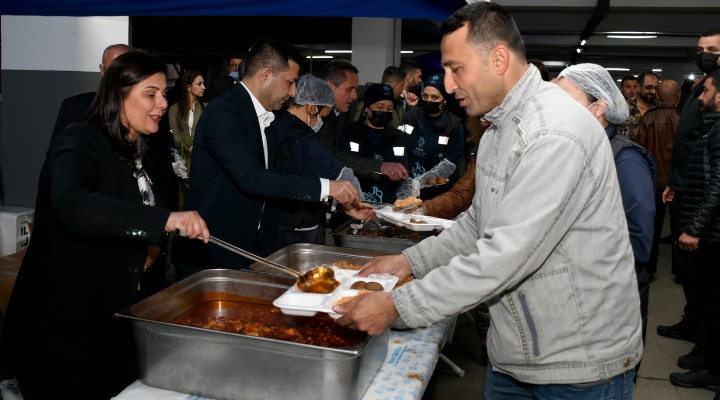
533 170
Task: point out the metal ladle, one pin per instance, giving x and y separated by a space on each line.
317 280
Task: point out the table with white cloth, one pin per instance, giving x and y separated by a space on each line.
411 358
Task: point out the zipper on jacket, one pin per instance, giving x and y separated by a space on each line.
521 331
530 322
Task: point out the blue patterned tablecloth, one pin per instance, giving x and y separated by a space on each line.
409 364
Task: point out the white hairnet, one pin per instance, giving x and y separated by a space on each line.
597 82
313 90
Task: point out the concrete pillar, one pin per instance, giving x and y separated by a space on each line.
375 45
44 60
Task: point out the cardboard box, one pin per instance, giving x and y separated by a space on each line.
9 267
14 228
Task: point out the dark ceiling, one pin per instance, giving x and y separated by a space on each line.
552 30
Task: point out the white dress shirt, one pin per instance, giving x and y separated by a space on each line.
265 117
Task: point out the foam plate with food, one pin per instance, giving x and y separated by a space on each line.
419 223
296 302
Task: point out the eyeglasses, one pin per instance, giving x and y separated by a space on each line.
234 65
650 88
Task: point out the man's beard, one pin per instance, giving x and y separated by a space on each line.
649 98
711 107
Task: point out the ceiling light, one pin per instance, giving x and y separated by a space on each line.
555 63
319 57
406 52
579 50
582 42
657 70
631 36
617 69
338 51
631 33
691 77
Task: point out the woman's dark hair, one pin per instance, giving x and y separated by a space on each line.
126 71
184 105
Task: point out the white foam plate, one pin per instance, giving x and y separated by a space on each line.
296 302
402 219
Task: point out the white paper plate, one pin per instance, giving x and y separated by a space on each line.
296 302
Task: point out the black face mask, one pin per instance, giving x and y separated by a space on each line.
380 118
707 62
432 107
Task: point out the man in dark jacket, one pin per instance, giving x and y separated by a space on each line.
343 80
688 131
232 179
656 132
700 233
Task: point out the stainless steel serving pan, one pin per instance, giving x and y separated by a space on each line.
223 365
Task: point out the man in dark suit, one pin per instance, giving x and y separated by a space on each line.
230 179
74 108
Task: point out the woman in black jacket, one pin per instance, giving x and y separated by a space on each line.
98 224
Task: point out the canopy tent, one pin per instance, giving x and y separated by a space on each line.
415 9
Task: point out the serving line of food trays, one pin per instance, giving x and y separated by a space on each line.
419 223
296 302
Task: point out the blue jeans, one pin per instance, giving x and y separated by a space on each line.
499 386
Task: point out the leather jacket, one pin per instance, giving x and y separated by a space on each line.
456 200
656 133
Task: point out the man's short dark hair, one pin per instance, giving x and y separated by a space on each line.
489 25
715 75
227 60
334 71
641 77
710 33
629 78
393 74
271 53
409 65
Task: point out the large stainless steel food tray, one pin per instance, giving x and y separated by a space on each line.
223 365
347 236
304 256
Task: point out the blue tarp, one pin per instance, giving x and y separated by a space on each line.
415 9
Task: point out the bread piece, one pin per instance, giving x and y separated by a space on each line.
407 201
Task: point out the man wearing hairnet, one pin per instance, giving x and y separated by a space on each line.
593 87
301 152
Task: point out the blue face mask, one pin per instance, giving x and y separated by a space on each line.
235 75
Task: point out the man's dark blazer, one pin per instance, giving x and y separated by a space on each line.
72 110
219 86
229 184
